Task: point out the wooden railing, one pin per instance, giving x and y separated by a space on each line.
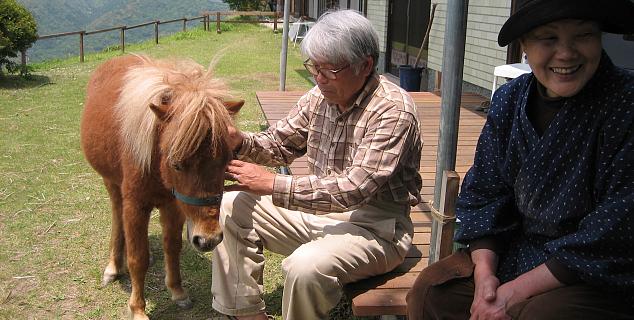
205 18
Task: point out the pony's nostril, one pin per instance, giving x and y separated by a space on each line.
199 241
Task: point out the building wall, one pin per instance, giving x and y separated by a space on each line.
377 13
482 53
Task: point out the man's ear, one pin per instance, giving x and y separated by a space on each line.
368 66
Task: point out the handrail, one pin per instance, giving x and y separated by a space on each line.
103 30
55 35
204 18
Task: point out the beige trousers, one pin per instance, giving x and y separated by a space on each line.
324 252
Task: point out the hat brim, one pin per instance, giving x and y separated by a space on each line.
614 16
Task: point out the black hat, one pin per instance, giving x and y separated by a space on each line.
614 16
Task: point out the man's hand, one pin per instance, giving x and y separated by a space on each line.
249 177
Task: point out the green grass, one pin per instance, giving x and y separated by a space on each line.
54 210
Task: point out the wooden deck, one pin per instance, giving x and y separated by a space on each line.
394 285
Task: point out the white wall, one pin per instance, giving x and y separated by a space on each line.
482 52
377 14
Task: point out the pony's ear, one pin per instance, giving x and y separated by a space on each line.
233 106
159 111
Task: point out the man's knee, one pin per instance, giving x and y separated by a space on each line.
236 201
307 264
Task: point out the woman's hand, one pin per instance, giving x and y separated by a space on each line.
249 177
489 300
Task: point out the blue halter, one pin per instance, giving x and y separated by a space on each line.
199 202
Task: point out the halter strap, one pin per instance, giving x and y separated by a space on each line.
199 202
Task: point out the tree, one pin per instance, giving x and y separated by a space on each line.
245 5
18 32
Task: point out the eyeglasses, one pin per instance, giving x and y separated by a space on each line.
330 74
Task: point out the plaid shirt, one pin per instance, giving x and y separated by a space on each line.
370 152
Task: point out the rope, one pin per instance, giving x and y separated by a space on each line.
439 216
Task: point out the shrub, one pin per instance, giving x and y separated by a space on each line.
246 5
18 32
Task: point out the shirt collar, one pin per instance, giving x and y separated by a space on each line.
368 88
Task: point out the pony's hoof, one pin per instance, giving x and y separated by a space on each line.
184 303
108 278
136 315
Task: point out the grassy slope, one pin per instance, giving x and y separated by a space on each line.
54 211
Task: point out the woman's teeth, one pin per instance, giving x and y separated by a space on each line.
566 70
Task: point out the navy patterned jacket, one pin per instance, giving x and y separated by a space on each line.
565 198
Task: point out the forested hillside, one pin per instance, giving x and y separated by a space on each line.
55 16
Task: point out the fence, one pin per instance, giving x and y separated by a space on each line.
205 19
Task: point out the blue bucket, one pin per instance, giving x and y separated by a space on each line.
410 77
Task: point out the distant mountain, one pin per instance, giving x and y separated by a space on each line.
57 16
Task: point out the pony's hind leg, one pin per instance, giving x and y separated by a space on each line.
117 241
172 221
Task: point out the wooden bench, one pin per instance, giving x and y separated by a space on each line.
385 294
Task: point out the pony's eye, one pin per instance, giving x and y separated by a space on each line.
166 99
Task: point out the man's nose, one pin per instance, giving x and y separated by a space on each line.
320 78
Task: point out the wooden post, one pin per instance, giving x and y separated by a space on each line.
438 80
206 22
444 215
275 20
218 22
81 46
184 24
156 31
122 39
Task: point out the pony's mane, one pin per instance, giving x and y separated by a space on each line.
196 108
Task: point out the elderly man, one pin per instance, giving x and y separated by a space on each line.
347 220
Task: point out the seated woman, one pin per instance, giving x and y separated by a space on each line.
547 210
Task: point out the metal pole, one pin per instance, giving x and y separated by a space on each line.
283 54
451 91
409 6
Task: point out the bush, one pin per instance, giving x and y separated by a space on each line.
18 32
246 5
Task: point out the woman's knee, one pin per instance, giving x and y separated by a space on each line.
572 302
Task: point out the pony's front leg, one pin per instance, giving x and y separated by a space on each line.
172 221
135 223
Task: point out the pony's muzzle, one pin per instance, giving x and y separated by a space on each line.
206 244
202 242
